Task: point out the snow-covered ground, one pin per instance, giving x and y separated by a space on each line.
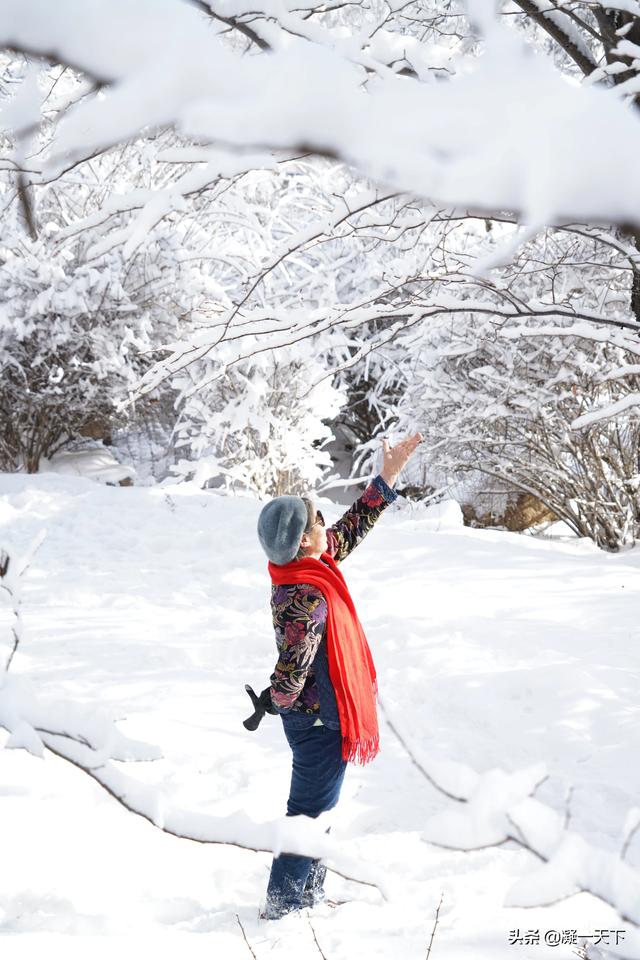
492 649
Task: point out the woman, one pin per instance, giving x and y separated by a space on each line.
324 684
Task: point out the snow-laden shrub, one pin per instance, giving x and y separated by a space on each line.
75 337
506 408
258 426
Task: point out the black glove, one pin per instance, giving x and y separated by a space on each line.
261 705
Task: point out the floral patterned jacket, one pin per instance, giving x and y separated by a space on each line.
300 682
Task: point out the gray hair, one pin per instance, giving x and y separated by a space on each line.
311 519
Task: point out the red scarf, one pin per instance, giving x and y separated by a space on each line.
351 668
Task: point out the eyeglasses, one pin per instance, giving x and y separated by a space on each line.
319 520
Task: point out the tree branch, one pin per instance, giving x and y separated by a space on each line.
137 799
232 22
10 577
585 63
435 924
613 882
26 205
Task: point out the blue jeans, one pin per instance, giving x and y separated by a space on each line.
316 779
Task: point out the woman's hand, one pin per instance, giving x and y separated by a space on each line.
395 458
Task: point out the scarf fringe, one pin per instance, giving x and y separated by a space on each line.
360 751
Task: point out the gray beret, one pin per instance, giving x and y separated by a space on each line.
281 524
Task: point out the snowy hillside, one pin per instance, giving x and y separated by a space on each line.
492 649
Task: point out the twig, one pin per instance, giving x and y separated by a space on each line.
5 561
520 838
567 812
435 924
78 738
630 836
416 762
14 631
246 939
12 586
316 940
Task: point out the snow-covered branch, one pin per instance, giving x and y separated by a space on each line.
12 570
91 741
607 411
257 331
497 806
483 138
154 205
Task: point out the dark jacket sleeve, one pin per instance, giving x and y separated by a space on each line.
299 617
361 516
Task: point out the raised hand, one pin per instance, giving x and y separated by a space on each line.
395 458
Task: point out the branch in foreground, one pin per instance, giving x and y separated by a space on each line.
216 96
316 940
246 939
11 574
92 741
435 924
496 807
305 837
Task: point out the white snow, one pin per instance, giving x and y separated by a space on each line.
95 462
496 653
508 132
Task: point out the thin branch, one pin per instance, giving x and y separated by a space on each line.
77 738
232 22
630 836
435 924
316 940
55 59
15 634
10 583
416 763
567 810
246 939
26 204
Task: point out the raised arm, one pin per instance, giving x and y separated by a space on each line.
354 525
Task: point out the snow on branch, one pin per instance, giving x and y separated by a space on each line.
153 205
11 574
91 741
507 132
260 330
585 331
558 24
498 806
608 411
625 339
297 835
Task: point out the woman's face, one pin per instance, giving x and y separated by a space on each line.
314 541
